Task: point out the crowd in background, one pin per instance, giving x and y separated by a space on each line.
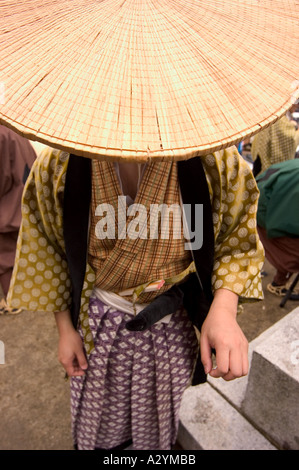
274 147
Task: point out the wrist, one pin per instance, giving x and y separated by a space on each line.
64 322
226 301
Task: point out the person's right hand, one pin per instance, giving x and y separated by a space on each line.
70 348
71 354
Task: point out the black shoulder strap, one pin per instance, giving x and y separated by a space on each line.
77 196
197 290
195 190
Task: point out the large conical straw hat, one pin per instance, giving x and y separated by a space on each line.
146 79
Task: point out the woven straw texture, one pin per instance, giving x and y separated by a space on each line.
144 79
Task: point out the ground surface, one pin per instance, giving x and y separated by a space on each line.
34 398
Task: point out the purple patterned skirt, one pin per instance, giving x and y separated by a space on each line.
134 383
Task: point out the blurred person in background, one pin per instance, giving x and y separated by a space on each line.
276 143
278 222
16 158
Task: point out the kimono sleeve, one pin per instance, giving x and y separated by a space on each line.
40 279
239 254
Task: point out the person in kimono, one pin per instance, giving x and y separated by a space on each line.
131 306
276 143
16 158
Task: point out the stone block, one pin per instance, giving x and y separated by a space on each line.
209 422
271 398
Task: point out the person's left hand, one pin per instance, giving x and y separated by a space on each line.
221 332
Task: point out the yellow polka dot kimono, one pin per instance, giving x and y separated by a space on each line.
41 281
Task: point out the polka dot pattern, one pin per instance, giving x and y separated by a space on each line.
239 254
40 266
41 281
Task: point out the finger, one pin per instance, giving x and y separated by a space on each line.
82 361
72 367
238 366
206 354
245 364
222 363
245 359
235 364
77 370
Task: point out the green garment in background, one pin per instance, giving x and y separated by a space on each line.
278 208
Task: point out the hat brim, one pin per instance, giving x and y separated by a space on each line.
148 79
